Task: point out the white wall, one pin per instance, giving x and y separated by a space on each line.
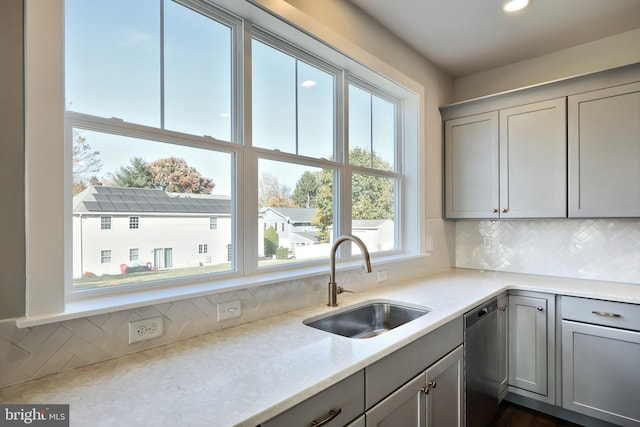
609 52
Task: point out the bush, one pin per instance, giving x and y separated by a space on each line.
271 241
282 253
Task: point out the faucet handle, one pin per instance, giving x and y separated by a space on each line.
341 290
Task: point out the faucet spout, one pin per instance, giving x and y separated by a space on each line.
334 289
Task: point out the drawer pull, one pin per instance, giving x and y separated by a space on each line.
604 313
430 385
540 308
331 415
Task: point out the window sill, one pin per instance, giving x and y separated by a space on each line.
95 305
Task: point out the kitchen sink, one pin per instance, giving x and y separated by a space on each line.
367 320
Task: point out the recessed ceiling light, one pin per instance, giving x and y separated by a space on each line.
515 5
308 83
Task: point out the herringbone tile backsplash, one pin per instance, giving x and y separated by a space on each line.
601 249
42 350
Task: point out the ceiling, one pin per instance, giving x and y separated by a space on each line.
464 37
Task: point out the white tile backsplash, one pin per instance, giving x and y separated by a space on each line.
42 350
598 249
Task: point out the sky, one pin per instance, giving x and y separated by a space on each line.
113 69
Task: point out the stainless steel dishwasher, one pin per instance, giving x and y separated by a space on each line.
481 363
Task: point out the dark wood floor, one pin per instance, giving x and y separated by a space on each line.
512 415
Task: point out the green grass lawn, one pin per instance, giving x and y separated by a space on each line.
146 276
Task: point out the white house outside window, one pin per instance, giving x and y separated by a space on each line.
105 223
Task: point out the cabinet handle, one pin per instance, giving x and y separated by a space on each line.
540 308
504 210
503 308
604 313
430 385
494 210
331 415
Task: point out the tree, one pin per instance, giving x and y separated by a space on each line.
272 194
175 175
271 241
138 174
171 174
85 163
307 187
372 197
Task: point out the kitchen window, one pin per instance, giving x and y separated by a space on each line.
172 125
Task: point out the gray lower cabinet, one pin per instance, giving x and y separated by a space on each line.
358 422
503 345
336 406
600 359
532 345
433 398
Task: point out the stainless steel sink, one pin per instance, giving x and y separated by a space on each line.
367 320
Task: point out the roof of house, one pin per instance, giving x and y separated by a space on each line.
147 200
295 215
308 236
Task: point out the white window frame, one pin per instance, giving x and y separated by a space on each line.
105 222
137 254
105 256
47 268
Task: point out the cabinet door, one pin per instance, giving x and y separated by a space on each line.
604 152
503 349
600 375
445 387
533 160
404 407
528 352
471 169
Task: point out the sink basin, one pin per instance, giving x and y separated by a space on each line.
367 320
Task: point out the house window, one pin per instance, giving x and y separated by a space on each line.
134 255
203 248
105 223
105 256
134 222
168 131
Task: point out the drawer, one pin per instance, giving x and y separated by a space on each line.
347 396
600 312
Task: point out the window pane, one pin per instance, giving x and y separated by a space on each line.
383 120
296 212
112 57
315 112
197 73
160 198
274 98
293 104
373 212
359 126
372 129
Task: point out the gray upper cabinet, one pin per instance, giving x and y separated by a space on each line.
604 152
533 160
507 164
471 171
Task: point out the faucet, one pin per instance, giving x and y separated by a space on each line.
334 289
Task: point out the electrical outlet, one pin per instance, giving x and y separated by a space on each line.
487 242
381 276
141 330
229 310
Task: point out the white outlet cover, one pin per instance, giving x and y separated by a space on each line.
229 310
142 330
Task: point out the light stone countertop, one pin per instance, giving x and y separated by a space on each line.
247 374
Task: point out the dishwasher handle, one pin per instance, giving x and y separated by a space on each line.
480 312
